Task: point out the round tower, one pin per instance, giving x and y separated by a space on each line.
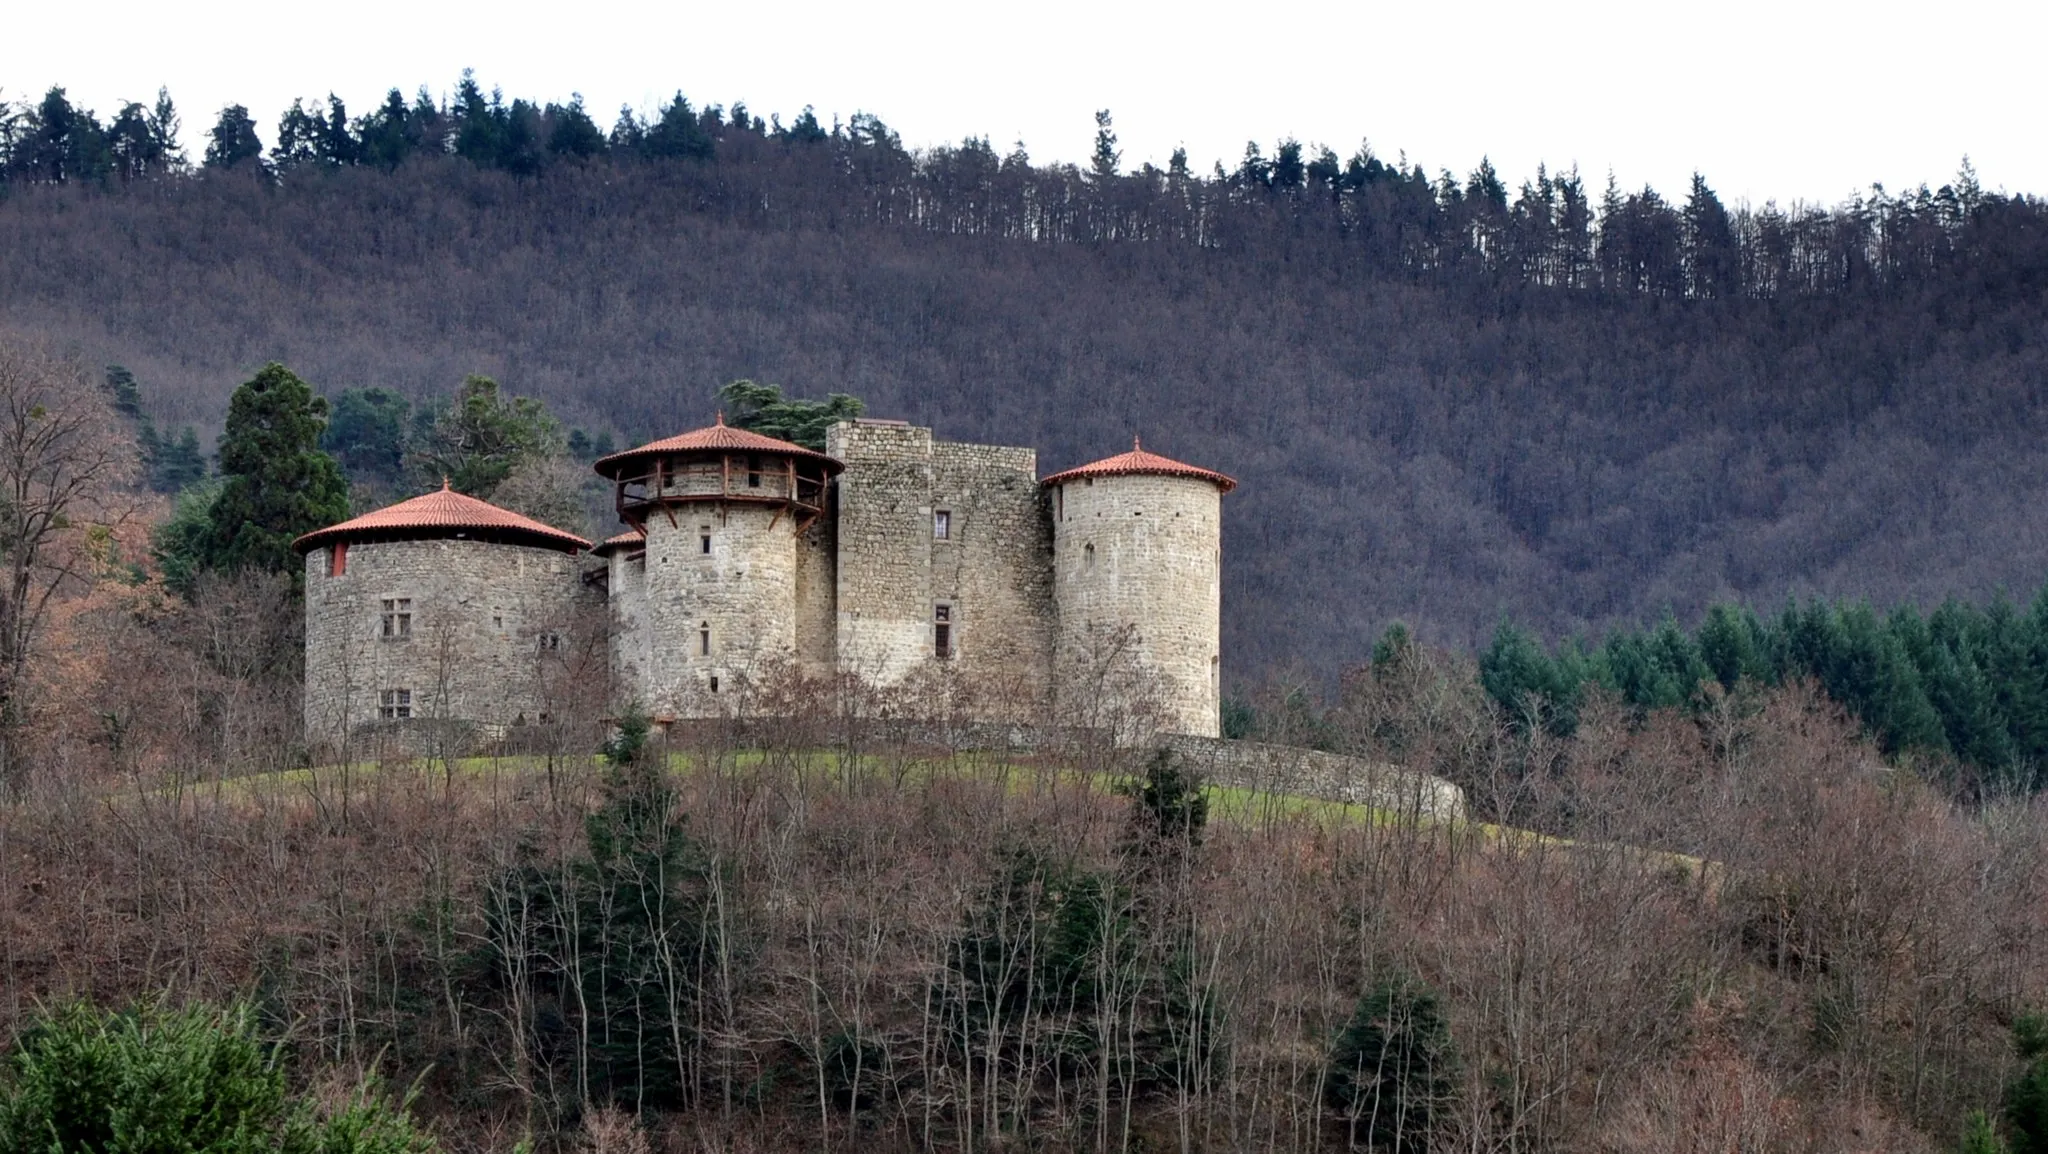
1137 588
443 608
722 513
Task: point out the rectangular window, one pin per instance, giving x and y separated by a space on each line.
395 704
550 642
942 525
397 618
704 639
337 559
704 544
753 472
942 631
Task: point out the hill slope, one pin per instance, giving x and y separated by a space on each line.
1438 444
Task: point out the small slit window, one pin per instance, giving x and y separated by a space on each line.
704 639
337 559
753 472
704 543
1088 556
394 705
397 619
942 524
942 631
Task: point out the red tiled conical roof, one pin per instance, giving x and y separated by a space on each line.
1138 462
630 539
444 513
720 437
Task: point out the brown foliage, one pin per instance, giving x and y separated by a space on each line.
1755 938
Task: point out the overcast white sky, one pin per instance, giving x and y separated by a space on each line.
1771 99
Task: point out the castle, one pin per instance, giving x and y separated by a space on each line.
888 556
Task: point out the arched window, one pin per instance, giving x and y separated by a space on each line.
704 638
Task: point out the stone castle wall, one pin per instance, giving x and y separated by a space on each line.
883 604
482 615
817 593
1142 552
742 592
632 639
994 569
991 572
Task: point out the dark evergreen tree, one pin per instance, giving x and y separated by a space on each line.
571 132
763 409
1102 165
1393 1069
278 484
389 135
1712 258
2026 1100
232 142
298 137
366 433
476 442
677 134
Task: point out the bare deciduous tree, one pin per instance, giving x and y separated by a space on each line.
63 462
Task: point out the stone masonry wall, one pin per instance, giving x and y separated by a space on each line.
632 651
1283 769
817 617
743 590
480 614
884 605
994 569
1144 552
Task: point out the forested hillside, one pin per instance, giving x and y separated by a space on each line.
1448 399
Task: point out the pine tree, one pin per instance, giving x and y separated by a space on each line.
232 141
571 132
481 437
1392 1070
1102 166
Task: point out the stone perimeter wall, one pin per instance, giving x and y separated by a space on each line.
1309 773
479 612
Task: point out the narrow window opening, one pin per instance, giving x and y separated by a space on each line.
704 639
550 642
942 524
1088 556
942 631
714 683
395 705
337 559
753 472
397 619
704 544
498 621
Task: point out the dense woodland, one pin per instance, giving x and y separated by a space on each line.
1758 879
1450 398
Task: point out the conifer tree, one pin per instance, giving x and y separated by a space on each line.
279 484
